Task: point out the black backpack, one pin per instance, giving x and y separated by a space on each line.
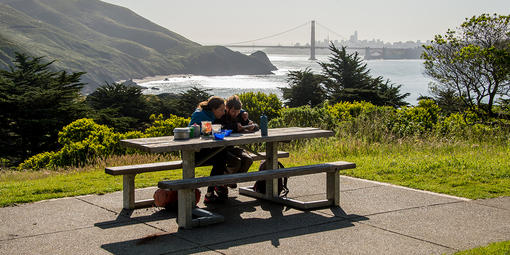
260 186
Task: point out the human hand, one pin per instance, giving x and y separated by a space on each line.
250 126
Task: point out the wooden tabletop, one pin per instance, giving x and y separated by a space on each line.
167 143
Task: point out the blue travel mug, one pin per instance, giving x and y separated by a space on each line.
263 125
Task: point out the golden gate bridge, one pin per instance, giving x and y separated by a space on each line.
369 52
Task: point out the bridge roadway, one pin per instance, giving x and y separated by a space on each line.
367 52
292 47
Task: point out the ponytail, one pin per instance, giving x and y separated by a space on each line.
212 103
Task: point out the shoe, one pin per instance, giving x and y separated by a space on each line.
211 198
222 192
232 186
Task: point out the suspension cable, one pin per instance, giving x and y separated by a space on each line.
270 36
330 30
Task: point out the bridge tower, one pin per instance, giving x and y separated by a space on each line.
312 42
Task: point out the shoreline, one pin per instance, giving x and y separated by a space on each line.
160 78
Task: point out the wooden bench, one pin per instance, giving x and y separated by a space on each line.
129 172
332 187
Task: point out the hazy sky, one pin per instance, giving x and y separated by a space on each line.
229 21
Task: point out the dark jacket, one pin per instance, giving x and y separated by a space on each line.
227 122
201 115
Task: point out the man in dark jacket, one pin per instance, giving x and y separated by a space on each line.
238 159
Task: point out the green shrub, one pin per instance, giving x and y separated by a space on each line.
416 120
83 141
132 135
348 111
257 103
456 124
165 127
359 119
468 125
38 161
362 120
372 126
304 116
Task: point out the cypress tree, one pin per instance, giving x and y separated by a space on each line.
349 79
35 103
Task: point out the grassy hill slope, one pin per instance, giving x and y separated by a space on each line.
108 42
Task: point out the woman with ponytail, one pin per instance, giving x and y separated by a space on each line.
212 110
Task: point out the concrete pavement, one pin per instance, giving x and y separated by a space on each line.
374 218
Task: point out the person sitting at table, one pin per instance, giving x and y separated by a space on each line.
238 160
212 110
236 118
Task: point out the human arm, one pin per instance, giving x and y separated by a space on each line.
245 124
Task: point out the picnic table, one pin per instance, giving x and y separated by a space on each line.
189 182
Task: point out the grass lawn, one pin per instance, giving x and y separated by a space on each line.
493 248
466 169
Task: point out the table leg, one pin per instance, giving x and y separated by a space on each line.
333 187
272 163
186 197
128 191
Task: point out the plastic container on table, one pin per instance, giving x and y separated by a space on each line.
196 130
219 136
227 131
181 133
206 128
216 128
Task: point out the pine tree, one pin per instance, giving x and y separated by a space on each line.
35 103
119 106
305 88
348 79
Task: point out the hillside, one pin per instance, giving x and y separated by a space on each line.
109 42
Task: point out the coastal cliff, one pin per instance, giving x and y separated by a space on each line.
109 42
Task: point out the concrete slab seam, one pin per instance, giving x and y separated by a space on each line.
48 233
341 191
407 188
128 218
413 208
355 189
491 206
409 236
90 203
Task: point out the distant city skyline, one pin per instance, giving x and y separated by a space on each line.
355 42
231 21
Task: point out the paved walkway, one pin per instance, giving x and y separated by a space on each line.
374 218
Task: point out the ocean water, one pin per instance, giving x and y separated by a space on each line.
408 73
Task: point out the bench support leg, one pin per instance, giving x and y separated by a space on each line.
272 163
187 196
184 216
333 187
128 191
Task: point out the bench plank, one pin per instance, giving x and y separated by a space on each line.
129 172
144 168
254 176
169 165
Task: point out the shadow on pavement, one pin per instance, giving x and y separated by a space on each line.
235 231
126 218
